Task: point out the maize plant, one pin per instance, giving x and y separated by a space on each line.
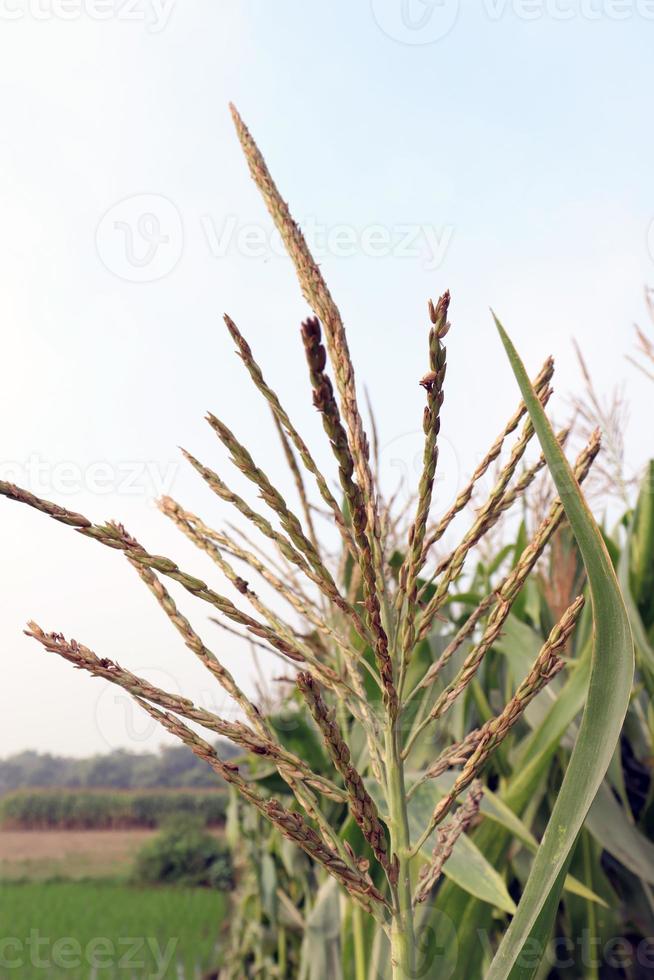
379 662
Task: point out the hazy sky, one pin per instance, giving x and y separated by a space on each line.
501 149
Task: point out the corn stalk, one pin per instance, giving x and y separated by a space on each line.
358 634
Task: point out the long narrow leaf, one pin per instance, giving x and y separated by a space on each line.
606 705
612 829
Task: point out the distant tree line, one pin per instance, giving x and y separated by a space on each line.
173 767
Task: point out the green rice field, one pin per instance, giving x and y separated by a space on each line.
101 930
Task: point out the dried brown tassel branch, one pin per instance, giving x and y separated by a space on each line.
350 873
360 620
286 426
323 399
283 544
433 384
540 384
260 744
451 567
362 806
547 665
645 345
320 300
447 836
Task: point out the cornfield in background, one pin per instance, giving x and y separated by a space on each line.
411 680
107 809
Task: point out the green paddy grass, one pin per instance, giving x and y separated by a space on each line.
101 930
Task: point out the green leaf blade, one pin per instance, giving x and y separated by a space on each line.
609 690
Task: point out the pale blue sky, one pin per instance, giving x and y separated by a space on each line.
511 158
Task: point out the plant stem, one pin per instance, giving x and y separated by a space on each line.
402 935
281 951
359 944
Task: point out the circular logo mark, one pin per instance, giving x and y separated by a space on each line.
416 21
141 238
401 465
121 721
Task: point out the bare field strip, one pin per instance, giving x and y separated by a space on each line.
39 854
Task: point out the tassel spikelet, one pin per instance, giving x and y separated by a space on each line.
447 836
323 399
433 383
362 806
